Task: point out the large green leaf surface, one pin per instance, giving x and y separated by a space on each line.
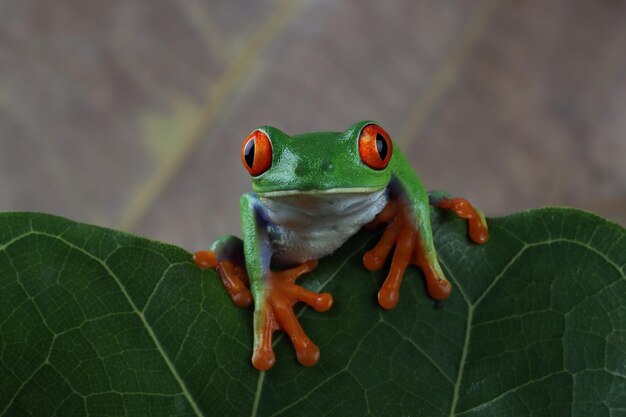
102 323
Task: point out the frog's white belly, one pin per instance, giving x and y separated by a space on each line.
312 225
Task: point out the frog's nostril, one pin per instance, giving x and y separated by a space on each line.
299 169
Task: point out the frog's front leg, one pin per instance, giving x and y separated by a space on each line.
409 230
275 297
410 233
274 292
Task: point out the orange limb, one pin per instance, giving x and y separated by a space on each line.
277 313
409 249
478 231
374 259
389 293
385 216
234 277
437 286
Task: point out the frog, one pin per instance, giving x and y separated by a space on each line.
311 193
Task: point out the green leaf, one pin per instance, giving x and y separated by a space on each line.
98 322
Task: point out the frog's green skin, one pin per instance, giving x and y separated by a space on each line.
316 194
311 174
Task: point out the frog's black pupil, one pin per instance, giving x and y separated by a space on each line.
248 153
381 146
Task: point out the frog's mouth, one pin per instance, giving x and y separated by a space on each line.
297 207
336 191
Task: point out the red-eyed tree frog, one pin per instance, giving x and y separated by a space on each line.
312 192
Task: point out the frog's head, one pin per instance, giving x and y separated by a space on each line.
354 161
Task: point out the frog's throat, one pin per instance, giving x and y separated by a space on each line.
346 190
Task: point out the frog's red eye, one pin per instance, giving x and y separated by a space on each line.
375 147
256 153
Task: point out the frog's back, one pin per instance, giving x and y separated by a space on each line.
316 136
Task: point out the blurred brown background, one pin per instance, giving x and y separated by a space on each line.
130 113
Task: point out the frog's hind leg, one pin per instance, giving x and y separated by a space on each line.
226 256
478 230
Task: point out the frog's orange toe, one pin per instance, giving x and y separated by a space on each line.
478 231
372 262
388 298
263 359
308 353
235 281
374 259
242 298
205 259
323 302
439 289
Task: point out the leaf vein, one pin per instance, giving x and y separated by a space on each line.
139 314
509 391
419 349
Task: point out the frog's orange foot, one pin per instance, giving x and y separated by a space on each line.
409 250
234 277
277 313
478 230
